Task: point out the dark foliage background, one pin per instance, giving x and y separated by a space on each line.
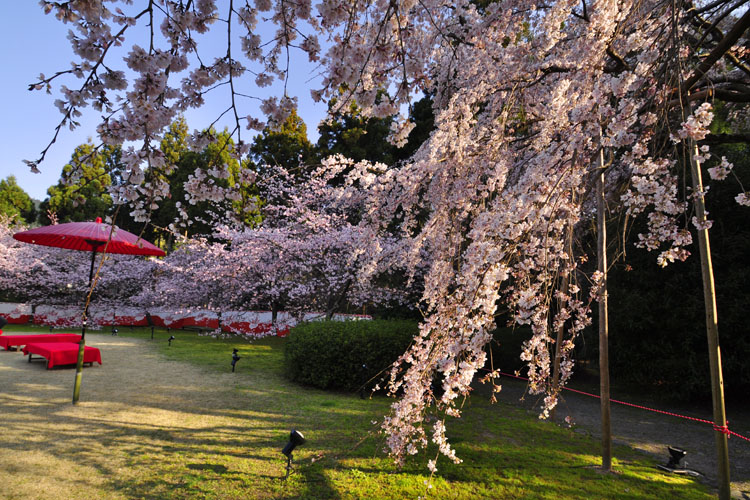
657 317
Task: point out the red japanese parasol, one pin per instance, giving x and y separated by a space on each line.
88 237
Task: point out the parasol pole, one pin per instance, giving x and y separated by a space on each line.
82 343
74 235
91 270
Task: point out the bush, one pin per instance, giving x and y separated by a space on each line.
331 354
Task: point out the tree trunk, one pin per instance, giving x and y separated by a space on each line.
334 299
603 320
712 327
275 306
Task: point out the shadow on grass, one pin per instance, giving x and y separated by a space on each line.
221 438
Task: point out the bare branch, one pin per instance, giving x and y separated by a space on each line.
719 51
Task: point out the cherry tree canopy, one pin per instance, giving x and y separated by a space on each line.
311 253
526 96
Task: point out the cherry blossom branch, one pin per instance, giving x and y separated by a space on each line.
70 109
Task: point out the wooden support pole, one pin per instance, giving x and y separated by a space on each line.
712 326
601 245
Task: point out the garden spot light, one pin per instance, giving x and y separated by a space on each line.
295 439
114 332
171 338
235 358
675 457
675 465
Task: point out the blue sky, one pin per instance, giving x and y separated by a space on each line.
34 43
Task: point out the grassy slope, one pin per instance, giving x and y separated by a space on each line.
507 453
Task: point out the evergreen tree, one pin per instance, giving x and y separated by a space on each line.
288 146
359 138
174 143
187 163
424 123
15 202
355 136
81 192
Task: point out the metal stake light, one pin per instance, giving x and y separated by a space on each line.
295 439
235 358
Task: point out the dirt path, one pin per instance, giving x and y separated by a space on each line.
134 393
653 432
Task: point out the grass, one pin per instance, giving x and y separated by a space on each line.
206 433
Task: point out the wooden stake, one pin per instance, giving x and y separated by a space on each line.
712 326
601 243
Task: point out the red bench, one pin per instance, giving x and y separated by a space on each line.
62 353
8 341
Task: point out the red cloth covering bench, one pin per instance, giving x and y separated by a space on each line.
62 353
8 341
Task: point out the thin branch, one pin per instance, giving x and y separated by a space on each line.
721 48
92 74
233 107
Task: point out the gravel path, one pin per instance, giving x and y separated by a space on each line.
135 393
652 432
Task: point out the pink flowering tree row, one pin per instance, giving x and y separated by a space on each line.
312 252
41 275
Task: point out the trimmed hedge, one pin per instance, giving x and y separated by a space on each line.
331 354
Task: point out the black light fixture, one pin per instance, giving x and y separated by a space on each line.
295 439
364 382
114 332
235 358
675 457
675 465
171 338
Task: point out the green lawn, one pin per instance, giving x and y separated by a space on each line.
507 453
